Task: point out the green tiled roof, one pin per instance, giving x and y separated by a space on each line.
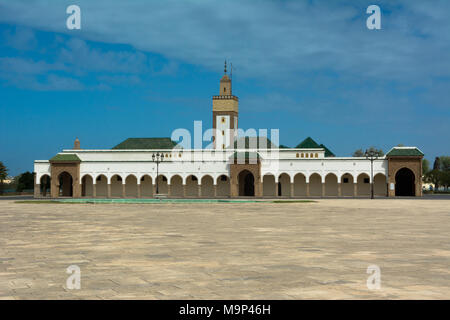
308 143
65 157
146 143
254 142
404 151
328 152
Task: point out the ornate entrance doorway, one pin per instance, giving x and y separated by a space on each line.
405 183
246 184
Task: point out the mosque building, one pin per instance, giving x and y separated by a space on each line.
234 167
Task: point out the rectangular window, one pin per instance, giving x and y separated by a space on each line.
366 180
345 180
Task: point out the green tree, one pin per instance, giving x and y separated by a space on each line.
361 153
434 176
358 153
25 181
445 178
437 164
444 163
435 173
378 152
425 166
3 175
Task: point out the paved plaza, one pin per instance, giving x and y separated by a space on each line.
317 250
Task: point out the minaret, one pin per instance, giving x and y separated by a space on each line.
225 114
76 144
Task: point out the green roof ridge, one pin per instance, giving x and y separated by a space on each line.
308 143
145 143
405 151
65 157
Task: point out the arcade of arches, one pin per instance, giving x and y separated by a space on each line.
245 180
247 185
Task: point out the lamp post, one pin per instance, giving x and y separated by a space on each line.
371 155
157 157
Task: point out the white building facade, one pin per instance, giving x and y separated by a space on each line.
254 168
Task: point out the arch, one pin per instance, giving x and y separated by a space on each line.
44 185
65 184
269 185
146 186
191 186
315 185
131 186
116 186
207 186
380 185
101 186
87 175
161 185
363 185
331 185
223 186
176 186
284 185
246 183
300 185
87 186
347 185
405 183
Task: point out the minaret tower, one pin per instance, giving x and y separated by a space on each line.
225 114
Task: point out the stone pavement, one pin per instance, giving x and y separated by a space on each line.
315 250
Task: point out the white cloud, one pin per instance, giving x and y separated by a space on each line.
280 40
86 59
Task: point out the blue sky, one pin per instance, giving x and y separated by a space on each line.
145 68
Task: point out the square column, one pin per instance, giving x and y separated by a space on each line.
109 190
199 193
355 190
340 189
323 189
215 191
37 190
307 190
139 190
123 190
94 190
292 189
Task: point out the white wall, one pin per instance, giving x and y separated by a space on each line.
211 163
